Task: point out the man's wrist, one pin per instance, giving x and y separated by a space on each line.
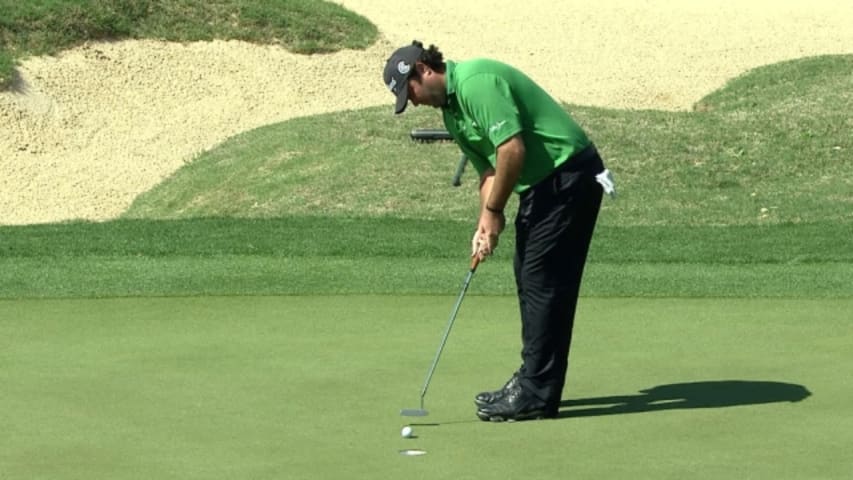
498 211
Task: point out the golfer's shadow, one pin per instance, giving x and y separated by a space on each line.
715 394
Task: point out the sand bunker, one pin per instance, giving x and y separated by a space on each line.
82 134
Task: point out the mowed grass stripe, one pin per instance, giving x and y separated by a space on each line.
100 277
297 236
315 255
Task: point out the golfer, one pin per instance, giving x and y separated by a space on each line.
520 140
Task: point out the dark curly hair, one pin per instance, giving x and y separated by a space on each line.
431 56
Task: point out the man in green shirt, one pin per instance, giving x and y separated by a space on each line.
520 140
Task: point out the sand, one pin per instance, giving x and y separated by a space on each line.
83 133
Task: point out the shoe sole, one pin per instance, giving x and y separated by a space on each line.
534 415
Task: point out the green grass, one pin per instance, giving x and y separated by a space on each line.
321 255
302 26
407 238
311 387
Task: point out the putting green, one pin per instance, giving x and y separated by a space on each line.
311 387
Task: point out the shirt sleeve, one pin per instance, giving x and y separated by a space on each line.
489 101
480 164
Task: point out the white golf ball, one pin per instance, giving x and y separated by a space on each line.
407 432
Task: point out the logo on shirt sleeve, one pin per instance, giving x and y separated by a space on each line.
496 126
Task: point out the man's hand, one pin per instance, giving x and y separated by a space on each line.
488 232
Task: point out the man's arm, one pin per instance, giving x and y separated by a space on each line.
495 188
510 160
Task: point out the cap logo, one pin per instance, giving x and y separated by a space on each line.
392 85
404 68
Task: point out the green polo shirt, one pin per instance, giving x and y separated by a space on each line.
489 102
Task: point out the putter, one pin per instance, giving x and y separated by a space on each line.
420 412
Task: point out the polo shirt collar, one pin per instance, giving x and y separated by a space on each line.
450 80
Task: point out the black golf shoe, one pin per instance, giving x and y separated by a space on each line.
484 398
516 404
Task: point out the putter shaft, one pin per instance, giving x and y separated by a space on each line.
450 321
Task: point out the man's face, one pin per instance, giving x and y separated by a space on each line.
426 87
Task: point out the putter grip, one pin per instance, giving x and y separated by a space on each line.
474 262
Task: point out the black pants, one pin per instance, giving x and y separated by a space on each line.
554 226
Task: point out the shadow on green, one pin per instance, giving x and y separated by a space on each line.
729 393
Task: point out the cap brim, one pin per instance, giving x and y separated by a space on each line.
402 100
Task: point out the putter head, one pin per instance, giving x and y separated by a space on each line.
414 412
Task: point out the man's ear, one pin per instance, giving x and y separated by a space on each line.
422 68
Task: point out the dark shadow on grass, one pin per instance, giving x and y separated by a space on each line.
678 396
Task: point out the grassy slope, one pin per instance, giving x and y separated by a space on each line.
49 26
776 139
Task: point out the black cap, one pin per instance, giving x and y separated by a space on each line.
398 68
